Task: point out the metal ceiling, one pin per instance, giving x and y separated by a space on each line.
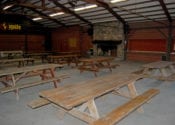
127 11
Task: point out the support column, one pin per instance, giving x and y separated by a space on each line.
169 42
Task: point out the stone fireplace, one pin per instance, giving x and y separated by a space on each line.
108 39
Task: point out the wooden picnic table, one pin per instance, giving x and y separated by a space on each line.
61 59
21 61
10 77
11 54
76 99
163 70
94 64
68 53
43 56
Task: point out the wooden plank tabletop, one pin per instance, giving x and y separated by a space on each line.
63 56
16 70
159 64
96 59
12 52
70 96
14 60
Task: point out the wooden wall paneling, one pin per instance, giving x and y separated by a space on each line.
147 45
36 43
86 42
11 42
70 39
145 56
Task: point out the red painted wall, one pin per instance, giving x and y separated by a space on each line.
71 39
17 42
62 37
11 42
35 43
147 45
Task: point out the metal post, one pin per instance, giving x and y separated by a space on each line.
126 32
169 42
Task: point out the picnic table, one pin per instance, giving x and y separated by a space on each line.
94 64
79 99
11 54
10 77
61 59
162 70
43 56
21 61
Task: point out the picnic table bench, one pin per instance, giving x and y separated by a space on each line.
79 99
21 61
43 56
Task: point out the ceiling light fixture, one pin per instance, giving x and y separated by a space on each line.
56 14
85 7
37 18
115 1
7 7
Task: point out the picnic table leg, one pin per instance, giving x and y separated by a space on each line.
164 72
172 68
14 84
43 75
146 71
108 65
52 71
133 94
94 67
81 113
93 109
76 61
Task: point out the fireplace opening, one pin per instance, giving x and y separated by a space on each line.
107 48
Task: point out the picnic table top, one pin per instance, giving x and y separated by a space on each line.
96 59
15 70
158 64
72 95
60 56
16 59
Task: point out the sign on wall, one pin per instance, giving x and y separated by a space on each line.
72 42
10 27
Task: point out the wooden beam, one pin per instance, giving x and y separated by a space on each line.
165 10
43 3
66 10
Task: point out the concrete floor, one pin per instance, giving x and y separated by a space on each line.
159 111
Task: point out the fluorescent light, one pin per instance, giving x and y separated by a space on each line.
7 7
56 14
115 1
37 18
85 7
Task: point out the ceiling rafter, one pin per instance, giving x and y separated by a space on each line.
107 7
165 10
66 10
43 3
